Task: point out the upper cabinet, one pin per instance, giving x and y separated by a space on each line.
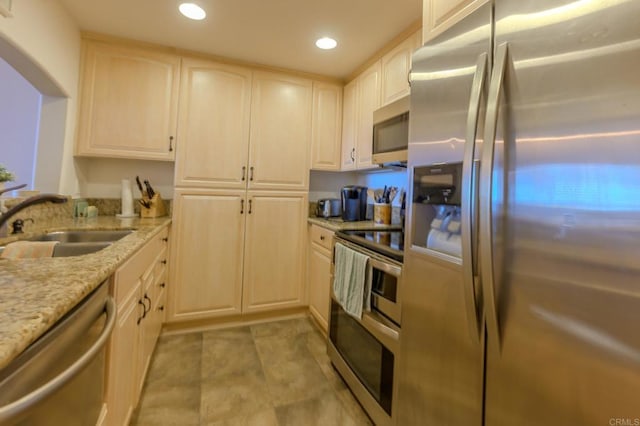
369 83
361 98
280 134
396 66
213 130
438 15
326 126
129 99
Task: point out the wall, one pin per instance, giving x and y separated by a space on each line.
328 184
19 121
42 42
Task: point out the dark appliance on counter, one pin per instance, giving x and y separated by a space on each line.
365 351
354 203
328 207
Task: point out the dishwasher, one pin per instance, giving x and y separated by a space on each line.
59 379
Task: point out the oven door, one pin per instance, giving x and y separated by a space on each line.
365 353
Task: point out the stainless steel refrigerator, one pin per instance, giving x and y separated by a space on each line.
521 287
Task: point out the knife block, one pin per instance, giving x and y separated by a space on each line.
157 207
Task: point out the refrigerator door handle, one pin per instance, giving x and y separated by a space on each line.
469 200
486 187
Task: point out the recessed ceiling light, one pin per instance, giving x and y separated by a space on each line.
192 11
326 43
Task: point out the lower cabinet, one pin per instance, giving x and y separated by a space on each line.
138 287
237 252
319 276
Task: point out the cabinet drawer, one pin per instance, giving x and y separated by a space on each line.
321 236
137 267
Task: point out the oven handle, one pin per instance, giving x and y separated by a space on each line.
10 410
394 270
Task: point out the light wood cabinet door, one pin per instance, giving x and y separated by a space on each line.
213 129
319 278
438 15
206 253
349 125
275 250
122 366
396 66
128 103
368 101
326 127
280 132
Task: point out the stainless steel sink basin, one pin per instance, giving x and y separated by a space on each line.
83 236
75 249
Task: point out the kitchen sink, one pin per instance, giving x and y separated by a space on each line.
75 249
83 236
76 243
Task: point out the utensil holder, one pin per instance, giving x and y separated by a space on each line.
156 208
381 213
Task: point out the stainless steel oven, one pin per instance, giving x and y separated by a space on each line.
365 350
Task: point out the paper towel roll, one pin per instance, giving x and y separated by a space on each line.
127 198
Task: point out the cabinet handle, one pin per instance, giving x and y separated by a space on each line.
144 313
164 262
165 239
251 173
163 285
409 77
321 237
161 308
170 143
249 207
244 170
353 155
147 297
242 206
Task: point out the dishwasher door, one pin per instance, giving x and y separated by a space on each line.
59 379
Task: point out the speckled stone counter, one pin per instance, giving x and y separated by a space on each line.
35 293
337 224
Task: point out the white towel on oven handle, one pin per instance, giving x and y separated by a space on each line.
351 283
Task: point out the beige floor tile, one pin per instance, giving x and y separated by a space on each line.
261 418
322 411
227 352
176 360
284 328
169 405
232 395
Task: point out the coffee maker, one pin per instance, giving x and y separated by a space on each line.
354 203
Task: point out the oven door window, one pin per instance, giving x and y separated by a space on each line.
370 361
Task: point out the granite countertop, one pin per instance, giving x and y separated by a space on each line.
337 224
36 293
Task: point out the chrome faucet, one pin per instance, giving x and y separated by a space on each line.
36 199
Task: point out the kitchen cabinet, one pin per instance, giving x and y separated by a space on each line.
361 98
207 253
138 288
326 127
243 129
128 102
438 15
239 252
368 100
274 256
319 276
280 134
215 103
349 127
396 66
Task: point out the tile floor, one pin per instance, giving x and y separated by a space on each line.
275 373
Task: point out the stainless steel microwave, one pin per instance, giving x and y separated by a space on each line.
391 132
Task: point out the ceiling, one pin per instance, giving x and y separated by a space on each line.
278 33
